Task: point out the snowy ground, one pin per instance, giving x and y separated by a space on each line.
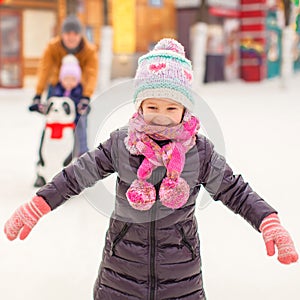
60 259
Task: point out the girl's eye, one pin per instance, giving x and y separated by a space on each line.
172 108
151 107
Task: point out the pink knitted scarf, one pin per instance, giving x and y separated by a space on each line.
174 190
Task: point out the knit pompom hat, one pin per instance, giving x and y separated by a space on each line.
164 72
70 67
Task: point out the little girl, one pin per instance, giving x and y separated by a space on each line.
152 248
69 85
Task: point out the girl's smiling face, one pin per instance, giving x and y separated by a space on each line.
69 82
168 111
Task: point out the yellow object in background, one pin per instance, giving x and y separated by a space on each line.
124 26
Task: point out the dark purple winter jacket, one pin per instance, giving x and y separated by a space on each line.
154 254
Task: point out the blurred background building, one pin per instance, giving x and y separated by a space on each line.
225 39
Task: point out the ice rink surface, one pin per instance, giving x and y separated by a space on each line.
60 258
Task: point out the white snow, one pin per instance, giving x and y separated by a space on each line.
60 258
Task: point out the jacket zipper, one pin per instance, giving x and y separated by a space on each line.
152 256
185 242
118 238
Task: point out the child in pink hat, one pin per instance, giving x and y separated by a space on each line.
152 247
69 85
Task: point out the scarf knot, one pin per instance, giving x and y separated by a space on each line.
142 140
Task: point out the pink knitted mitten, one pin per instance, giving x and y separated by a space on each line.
274 234
25 218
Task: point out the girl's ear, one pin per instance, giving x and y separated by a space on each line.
183 113
141 106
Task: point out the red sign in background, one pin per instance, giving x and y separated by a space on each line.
253 39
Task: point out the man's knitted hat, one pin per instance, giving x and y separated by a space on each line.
70 67
164 72
71 23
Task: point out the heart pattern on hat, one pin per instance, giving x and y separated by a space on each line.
157 67
188 75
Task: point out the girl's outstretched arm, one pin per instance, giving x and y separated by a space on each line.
80 174
239 197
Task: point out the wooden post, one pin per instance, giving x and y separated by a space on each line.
61 14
